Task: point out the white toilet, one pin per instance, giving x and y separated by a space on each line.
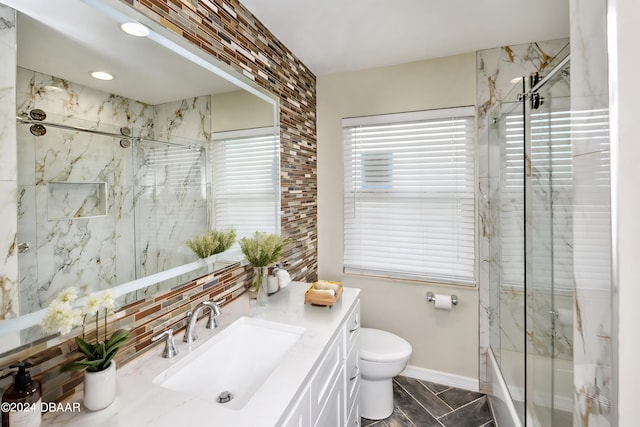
383 355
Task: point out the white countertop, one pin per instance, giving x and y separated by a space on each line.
139 402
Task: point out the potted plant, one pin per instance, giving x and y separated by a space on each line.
261 251
100 368
211 243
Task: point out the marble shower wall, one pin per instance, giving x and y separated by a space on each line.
8 172
495 70
594 347
80 189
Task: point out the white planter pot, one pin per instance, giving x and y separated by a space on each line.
100 388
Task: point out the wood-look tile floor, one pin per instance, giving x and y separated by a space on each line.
425 404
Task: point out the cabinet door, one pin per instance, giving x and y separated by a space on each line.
326 374
300 415
354 413
333 412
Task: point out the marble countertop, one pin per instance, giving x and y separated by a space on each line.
140 402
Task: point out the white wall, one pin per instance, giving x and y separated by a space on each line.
239 110
445 341
625 93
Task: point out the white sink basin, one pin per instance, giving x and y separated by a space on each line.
238 360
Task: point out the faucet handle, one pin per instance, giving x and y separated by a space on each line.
170 349
215 311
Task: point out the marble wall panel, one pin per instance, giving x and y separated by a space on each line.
593 355
187 118
7 93
9 304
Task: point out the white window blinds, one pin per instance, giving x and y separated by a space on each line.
246 192
409 207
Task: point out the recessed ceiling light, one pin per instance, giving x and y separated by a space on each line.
135 29
101 75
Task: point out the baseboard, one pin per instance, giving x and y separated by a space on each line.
444 378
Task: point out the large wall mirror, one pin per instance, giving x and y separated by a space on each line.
114 176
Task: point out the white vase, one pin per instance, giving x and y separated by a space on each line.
100 388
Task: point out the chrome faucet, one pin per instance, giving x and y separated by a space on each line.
214 311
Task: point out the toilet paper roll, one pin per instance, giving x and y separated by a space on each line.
443 302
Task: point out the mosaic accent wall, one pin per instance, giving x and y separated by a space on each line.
228 31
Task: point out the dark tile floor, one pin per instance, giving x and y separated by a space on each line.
425 404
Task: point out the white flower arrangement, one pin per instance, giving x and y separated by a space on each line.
62 318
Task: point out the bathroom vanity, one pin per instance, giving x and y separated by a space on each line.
315 382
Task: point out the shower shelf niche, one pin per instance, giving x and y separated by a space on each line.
75 200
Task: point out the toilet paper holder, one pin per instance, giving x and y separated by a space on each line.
432 298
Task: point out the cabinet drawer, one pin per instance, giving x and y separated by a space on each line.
327 372
352 327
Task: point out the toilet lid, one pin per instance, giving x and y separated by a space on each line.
375 345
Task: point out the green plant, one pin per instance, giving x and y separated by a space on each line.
62 317
263 249
212 242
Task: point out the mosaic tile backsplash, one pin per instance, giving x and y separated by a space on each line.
226 30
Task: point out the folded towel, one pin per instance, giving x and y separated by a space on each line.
322 284
324 292
283 278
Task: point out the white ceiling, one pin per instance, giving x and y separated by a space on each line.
331 36
327 35
71 45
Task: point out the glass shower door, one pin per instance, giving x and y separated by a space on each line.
531 278
74 201
506 210
549 243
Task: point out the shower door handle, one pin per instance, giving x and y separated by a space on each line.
23 247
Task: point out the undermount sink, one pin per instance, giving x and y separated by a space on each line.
237 360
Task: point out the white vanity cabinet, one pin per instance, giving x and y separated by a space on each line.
352 368
315 384
300 415
330 397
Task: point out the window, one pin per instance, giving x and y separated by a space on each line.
409 206
246 186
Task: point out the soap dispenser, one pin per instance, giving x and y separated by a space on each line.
21 402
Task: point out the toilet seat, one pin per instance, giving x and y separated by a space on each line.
375 345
